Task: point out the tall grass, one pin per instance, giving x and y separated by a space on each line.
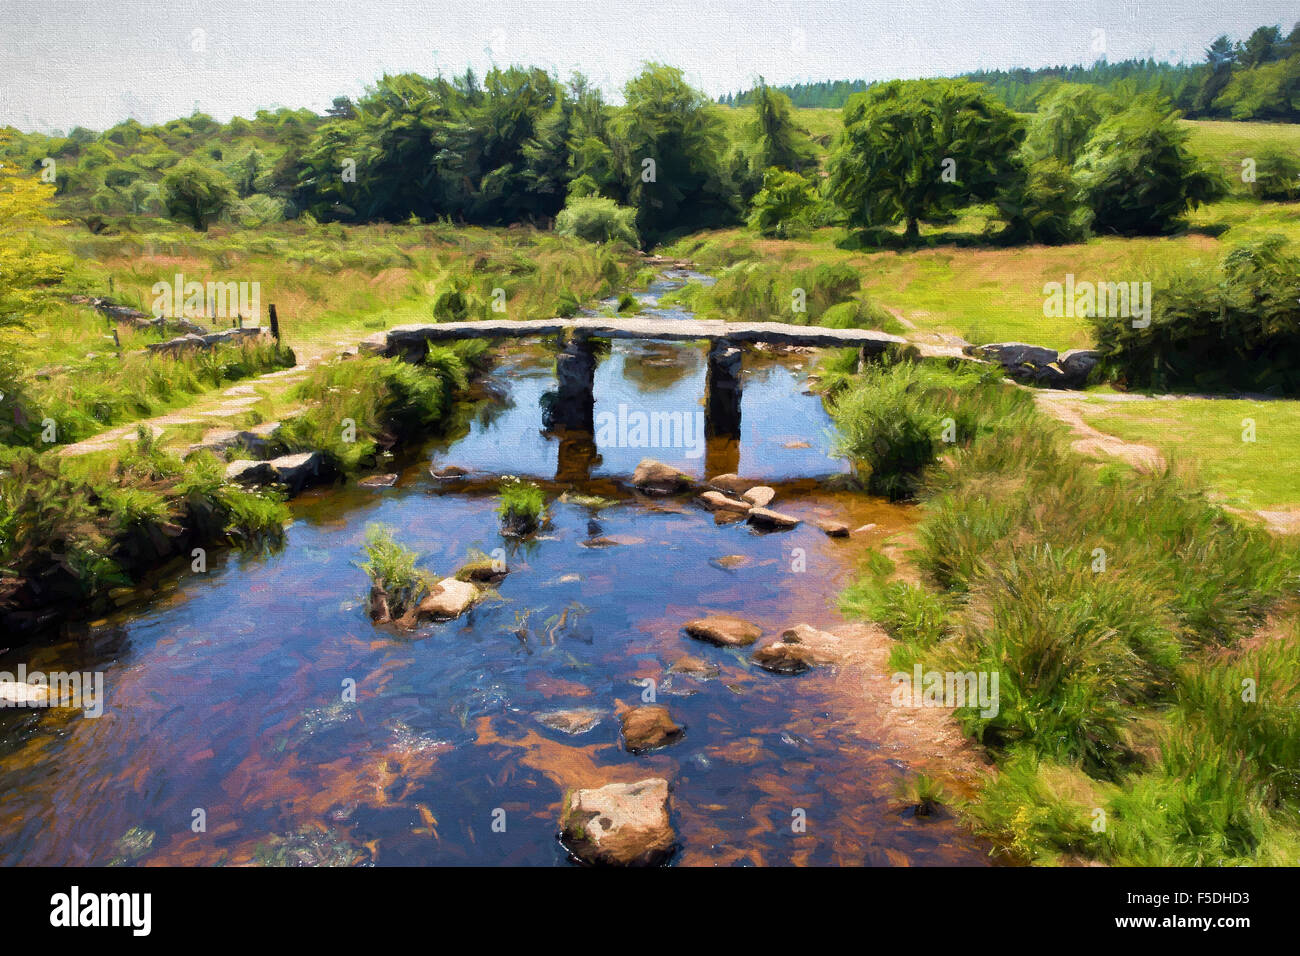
1144 716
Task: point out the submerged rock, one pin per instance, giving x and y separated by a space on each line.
580 720
620 824
772 520
730 562
378 481
694 667
448 471
723 629
649 728
449 599
23 694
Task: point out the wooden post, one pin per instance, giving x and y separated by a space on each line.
275 322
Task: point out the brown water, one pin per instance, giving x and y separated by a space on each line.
224 693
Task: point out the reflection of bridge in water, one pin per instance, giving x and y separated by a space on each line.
571 414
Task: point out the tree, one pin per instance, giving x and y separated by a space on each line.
1065 121
919 149
784 205
669 143
1220 58
774 137
1137 173
195 194
1264 45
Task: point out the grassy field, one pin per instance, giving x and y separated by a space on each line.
332 286
1207 434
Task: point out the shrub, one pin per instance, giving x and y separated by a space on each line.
1277 175
597 219
392 570
1137 173
1237 330
783 207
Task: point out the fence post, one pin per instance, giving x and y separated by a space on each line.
275 323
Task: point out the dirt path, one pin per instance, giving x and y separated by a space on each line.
217 409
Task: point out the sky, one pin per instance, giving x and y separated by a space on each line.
93 63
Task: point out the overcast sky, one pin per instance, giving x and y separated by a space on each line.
97 62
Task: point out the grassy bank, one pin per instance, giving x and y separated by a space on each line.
1146 640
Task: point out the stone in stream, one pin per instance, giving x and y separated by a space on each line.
448 471
580 720
482 571
724 630
694 667
649 728
786 656
834 529
717 501
657 478
760 496
298 471
378 481
730 562
449 599
620 824
23 694
245 471
772 520
732 483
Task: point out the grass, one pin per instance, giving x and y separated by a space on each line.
109 389
1146 640
520 506
360 406
391 568
1208 435
72 529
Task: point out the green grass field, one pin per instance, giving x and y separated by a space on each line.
1207 435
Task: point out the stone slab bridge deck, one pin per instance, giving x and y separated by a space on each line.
574 405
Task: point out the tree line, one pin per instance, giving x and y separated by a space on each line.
1254 79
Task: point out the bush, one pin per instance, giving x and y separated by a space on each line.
1137 173
783 207
1048 208
597 219
1277 175
1237 330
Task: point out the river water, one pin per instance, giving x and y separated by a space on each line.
226 693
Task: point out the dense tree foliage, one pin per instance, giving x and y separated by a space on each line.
920 149
1137 173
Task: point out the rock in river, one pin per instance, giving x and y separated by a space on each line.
573 722
760 496
620 824
786 656
649 728
724 629
834 529
657 478
450 599
765 518
717 501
